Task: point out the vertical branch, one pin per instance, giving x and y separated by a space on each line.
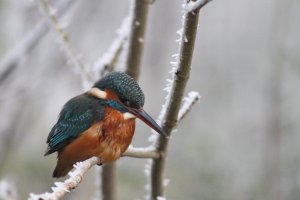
136 40
170 116
133 61
68 46
109 175
272 147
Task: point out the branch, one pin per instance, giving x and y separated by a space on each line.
108 178
62 188
11 59
137 37
169 114
195 6
66 43
189 102
148 152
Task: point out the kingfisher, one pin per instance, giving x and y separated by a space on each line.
99 122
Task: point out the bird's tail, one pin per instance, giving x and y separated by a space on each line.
62 168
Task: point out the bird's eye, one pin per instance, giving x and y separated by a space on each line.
125 102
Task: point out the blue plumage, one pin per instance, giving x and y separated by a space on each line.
77 115
92 124
125 86
81 112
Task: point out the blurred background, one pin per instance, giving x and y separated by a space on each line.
240 142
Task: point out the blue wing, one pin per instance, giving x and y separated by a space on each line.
77 115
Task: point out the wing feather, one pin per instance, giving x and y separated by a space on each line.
77 115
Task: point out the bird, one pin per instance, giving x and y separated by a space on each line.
99 122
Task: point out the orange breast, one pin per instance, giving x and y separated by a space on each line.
116 135
107 139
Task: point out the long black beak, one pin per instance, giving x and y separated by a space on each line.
141 114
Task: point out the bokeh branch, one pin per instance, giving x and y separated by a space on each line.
169 115
68 46
10 61
107 62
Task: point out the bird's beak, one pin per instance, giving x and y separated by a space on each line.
143 115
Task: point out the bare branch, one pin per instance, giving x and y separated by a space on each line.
109 187
169 114
148 152
67 44
62 188
189 102
137 37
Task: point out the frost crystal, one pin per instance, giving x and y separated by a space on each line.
137 23
166 182
141 40
193 5
7 190
187 103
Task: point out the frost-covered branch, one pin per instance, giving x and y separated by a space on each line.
11 59
148 152
176 87
68 46
195 6
188 102
62 188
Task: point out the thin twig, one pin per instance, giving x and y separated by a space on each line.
67 44
189 102
195 6
62 188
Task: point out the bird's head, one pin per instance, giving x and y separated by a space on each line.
124 94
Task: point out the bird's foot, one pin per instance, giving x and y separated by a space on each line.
99 163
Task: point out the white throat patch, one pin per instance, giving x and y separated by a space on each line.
128 115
